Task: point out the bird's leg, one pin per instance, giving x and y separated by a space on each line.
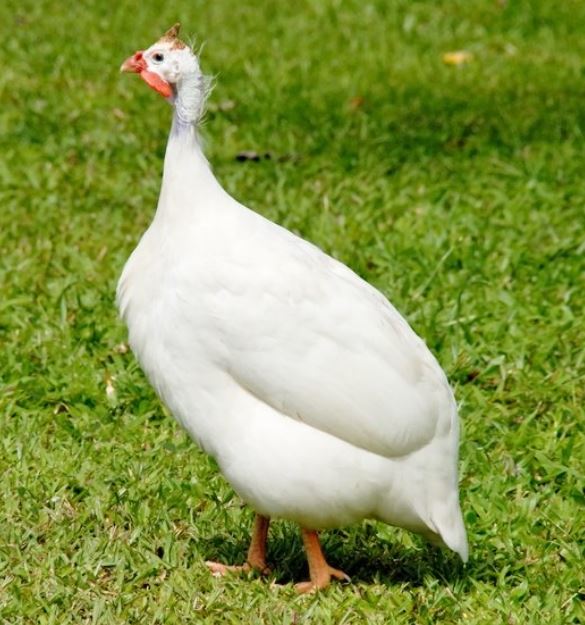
256 559
319 571
257 550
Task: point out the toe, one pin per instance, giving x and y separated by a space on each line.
219 570
337 574
305 587
260 566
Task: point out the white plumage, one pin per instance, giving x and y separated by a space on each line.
317 400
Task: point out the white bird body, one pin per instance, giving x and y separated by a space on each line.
316 398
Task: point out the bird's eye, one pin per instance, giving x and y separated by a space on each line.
158 57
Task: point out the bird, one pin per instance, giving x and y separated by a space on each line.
319 403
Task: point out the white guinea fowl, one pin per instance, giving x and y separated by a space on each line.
315 397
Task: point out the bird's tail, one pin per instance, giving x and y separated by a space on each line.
438 503
447 521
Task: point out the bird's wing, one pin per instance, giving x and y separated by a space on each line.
314 341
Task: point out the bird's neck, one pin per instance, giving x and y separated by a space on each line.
188 181
190 97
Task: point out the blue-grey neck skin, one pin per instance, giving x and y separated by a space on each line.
190 98
188 106
187 176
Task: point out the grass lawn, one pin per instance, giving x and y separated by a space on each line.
458 190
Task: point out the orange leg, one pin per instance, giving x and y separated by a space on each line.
256 559
319 571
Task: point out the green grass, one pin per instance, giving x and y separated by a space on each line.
458 191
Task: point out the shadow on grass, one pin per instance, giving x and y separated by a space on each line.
359 552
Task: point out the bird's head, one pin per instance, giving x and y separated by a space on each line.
165 65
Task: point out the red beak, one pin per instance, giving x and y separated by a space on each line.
135 63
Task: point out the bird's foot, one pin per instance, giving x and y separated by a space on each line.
321 580
256 560
219 569
319 571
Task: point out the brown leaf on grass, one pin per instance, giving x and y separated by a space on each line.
458 57
109 381
356 103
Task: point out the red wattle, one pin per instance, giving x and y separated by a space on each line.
157 83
